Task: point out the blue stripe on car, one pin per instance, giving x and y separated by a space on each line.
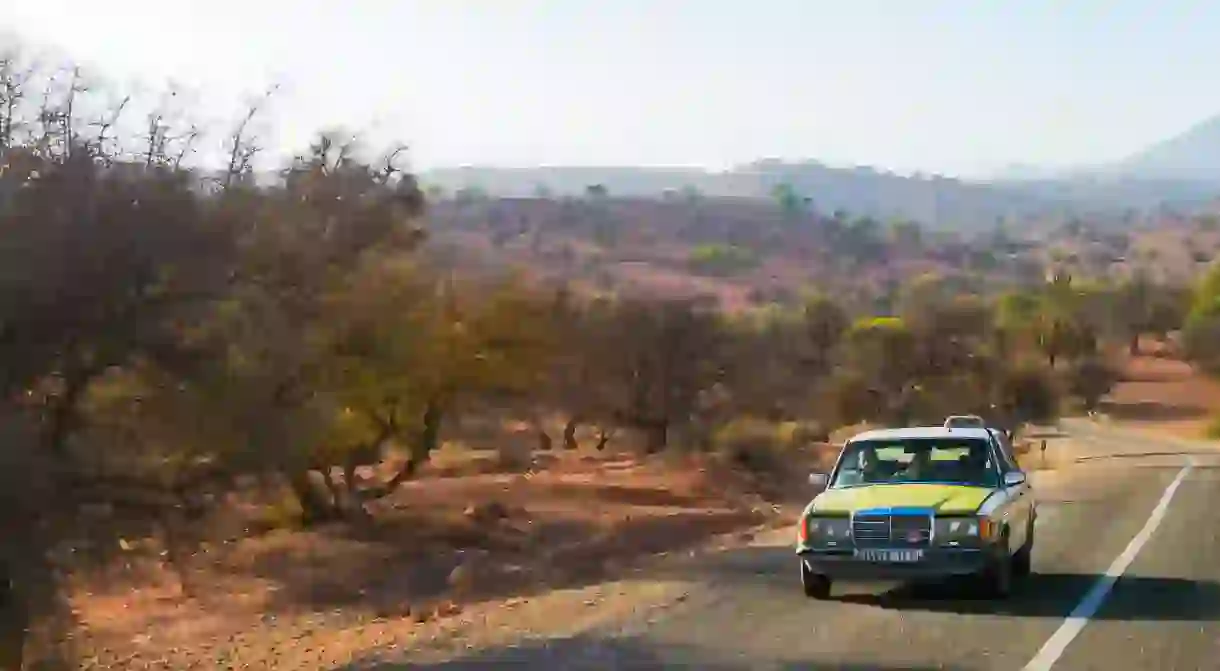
899 510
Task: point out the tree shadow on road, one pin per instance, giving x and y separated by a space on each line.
637 654
1152 411
1043 594
1056 594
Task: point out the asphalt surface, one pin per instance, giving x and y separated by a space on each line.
746 610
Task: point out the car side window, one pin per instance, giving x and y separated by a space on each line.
1003 450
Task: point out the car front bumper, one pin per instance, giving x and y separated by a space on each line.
936 563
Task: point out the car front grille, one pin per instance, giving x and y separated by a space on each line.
880 530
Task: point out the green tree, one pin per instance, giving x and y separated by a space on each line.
1201 332
789 199
722 260
1089 380
655 359
883 351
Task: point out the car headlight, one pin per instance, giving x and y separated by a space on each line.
827 531
962 530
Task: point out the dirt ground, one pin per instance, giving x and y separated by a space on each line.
474 549
455 544
1163 395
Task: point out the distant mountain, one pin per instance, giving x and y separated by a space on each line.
930 199
1182 172
1193 156
1024 172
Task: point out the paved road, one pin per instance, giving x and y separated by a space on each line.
1163 613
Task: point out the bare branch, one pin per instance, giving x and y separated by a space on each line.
243 145
13 79
389 167
187 146
75 87
107 123
154 149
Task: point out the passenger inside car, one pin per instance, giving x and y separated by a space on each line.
965 461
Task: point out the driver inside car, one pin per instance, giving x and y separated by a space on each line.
920 467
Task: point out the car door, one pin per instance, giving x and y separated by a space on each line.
1020 499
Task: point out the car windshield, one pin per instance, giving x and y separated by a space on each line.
963 461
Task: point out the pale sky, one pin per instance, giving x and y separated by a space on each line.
954 86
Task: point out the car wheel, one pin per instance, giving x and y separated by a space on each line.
1022 561
815 586
996 580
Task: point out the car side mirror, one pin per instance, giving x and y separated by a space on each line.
819 479
1014 478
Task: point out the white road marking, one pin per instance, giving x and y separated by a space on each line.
1054 647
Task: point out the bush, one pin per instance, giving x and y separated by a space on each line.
1212 431
752 444
1089 380
283 513
804 433
1028 393
722 260
1201 342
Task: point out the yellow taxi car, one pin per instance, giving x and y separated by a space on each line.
919 503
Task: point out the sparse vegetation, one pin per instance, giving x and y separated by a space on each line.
1213 428
177 339
1201 334
721 260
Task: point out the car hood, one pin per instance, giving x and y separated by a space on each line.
941 499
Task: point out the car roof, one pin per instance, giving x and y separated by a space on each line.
915 432
968 418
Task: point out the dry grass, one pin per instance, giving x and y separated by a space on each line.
1163 395
438 549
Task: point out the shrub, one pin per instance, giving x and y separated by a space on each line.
1089 380
752 444
1201 342
1212 431
722 260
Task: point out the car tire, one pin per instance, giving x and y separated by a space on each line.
996 580
1023 560
815 586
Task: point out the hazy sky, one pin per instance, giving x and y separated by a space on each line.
952 86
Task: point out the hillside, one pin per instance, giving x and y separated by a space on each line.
939 201
745 251
1181 172
1188 156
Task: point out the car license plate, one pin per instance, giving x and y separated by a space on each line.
894 556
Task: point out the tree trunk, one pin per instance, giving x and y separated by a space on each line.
569 434
14 622
349 480
61 420
36 621
1133 345
657 436
174 545
316 506
430 435
420 452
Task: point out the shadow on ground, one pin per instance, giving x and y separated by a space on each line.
1042 595
1043 433
1141 455
1054 595
506 561
637 654
622 495
1151 411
